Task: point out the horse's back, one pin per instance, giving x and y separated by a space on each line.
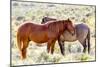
81 26
33 26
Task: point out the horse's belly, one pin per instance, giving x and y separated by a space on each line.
39 38
69 37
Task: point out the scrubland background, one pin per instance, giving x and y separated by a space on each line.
23 11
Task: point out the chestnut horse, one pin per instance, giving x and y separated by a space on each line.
82 35
42 33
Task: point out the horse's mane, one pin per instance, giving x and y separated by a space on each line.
56 26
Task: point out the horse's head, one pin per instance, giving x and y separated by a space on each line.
69 26
46 19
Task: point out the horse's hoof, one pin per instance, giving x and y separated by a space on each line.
22 58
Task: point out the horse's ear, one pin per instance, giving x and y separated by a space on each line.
68 19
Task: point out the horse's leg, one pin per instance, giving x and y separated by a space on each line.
84 46
24 49
52 46
88 39
62 48
48 46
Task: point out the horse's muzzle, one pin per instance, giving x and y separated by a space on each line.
73 33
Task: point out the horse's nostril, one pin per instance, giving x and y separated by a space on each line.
73 33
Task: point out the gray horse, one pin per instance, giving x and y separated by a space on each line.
82 35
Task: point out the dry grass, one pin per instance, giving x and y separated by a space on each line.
35 12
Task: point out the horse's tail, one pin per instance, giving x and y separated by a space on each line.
19 43
88 39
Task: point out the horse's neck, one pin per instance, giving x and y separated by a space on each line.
55 27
